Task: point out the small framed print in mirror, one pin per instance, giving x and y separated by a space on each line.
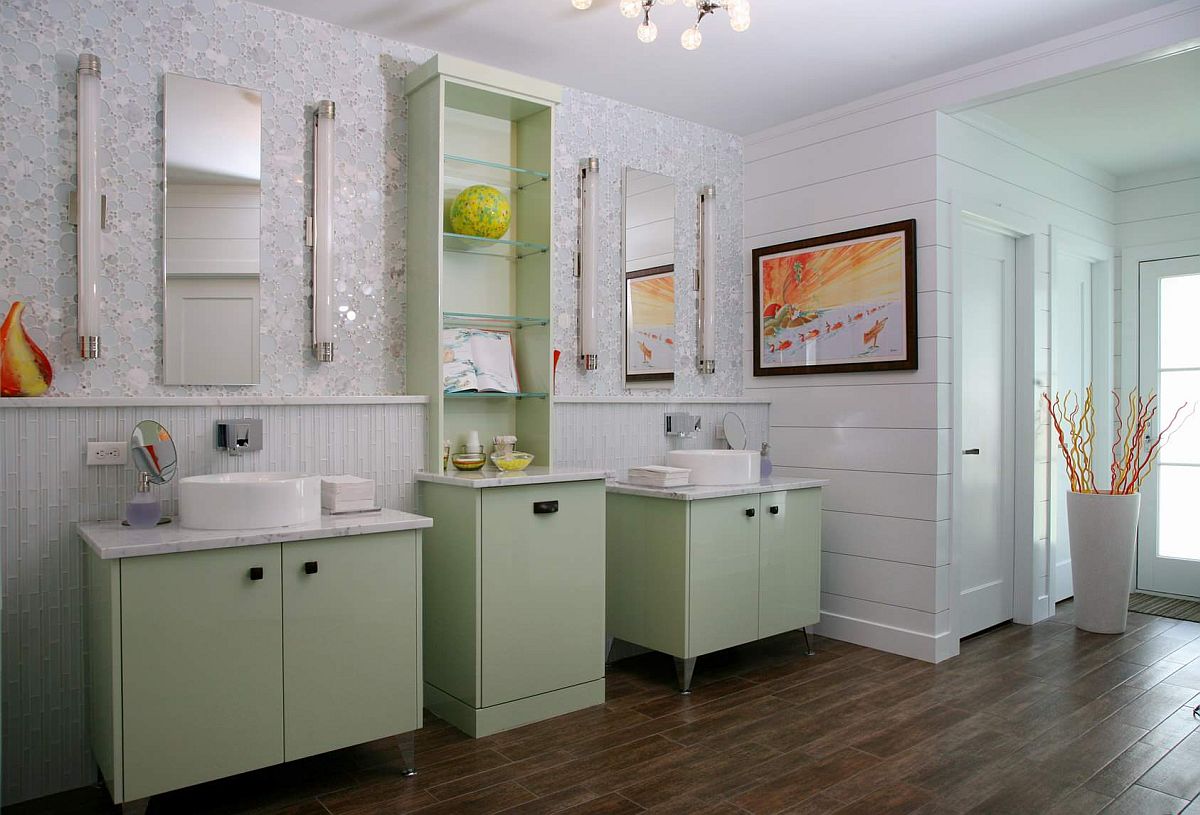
650 324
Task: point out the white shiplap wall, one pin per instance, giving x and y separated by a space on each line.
880 438
887 527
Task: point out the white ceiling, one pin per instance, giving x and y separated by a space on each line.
799 56
1128 120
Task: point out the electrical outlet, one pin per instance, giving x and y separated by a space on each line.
107 452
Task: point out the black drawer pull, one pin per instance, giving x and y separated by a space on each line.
310 567
774 510
256 573
544 507
974 451
750 513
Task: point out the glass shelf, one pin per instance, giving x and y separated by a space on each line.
494 247
522 176
493 395
507 320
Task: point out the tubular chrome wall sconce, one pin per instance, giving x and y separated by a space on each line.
89 207
706 285
585 261
320 231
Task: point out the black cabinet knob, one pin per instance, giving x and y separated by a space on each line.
256 572
310 567
774 510
750 513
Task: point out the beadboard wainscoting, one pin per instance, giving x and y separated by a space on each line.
47 489
616 435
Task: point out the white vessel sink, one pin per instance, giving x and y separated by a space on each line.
249 500
718 467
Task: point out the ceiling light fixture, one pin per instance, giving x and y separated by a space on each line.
647 31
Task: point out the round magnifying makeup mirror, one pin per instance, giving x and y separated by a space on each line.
735 431
153 451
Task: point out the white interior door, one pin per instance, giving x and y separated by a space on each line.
984 549
1169 364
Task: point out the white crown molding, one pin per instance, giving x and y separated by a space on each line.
1151 34
659 400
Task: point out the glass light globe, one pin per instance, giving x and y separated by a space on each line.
581 4
665 2
630 8
737 6
647 32
739 22
691 38
689 3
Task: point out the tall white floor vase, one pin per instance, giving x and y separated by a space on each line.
1103 540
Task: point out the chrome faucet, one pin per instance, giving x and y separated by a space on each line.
682 425
239 436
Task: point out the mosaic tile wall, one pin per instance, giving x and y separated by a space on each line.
295 61
693 155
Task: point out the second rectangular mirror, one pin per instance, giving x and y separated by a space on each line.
211 193
649 271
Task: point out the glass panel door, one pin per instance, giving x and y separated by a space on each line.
1169 532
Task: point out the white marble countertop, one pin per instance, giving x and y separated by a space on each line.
698 493
109 539
533 474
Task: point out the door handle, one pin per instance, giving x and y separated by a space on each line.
310 567
545 507
973 451
750 513
774 510
256 572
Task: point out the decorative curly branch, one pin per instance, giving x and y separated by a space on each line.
1133 451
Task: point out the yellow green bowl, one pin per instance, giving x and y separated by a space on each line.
511 462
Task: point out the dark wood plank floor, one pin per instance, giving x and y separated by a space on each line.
1041 719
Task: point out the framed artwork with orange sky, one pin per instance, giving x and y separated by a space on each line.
650 324
838 303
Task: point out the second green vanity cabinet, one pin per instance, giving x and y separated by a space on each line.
514 599
689 577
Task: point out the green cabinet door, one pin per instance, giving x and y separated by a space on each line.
724 568
350 620
202 666
542 593
790 569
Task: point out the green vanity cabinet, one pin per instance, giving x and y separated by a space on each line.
201 674
514 600
351 634
209 663
689 575
723 571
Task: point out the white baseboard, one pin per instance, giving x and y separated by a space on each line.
914 644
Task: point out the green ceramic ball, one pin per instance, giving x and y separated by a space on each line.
481 211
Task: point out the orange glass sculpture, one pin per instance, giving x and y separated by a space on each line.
24 369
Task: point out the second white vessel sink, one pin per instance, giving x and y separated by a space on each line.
249 500
718 467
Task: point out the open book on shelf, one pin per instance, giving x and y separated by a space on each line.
478 359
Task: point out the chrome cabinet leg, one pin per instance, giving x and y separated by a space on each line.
808 651
683 672
408 753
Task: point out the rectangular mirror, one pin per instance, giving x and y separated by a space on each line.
212 184
649 267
